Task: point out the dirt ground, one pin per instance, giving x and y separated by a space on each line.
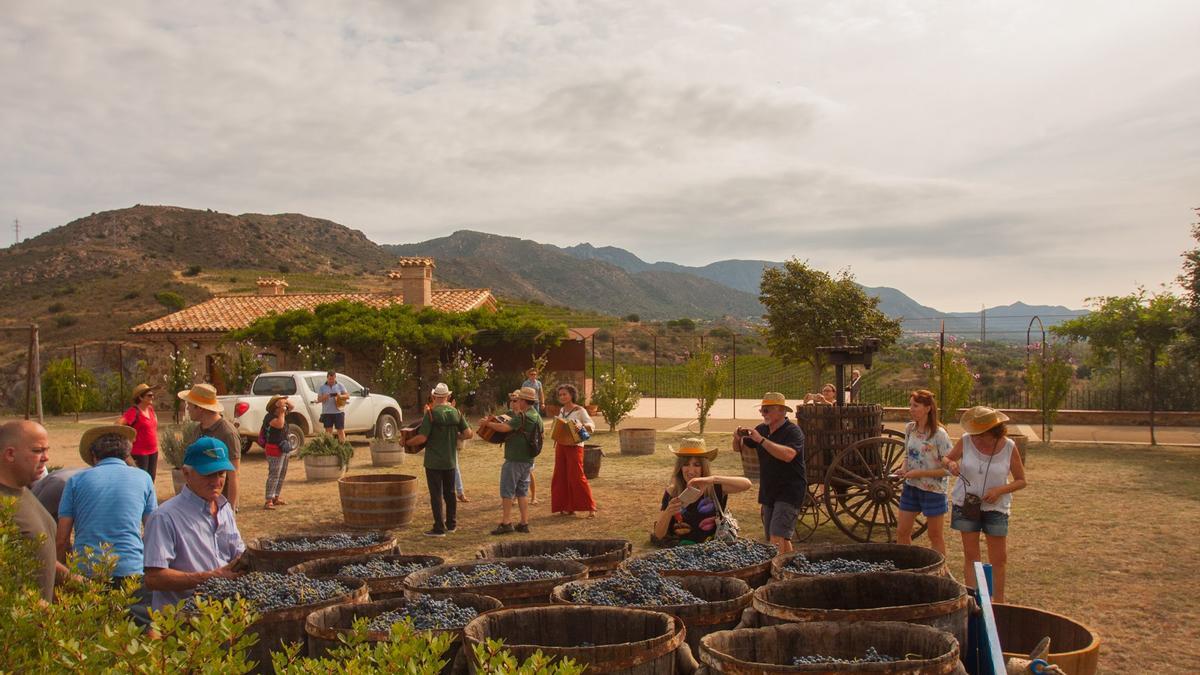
1104 534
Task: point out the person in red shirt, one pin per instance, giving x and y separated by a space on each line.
142 418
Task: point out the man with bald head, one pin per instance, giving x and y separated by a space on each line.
24 451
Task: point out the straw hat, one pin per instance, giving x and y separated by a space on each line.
142 389
774 398
202 396
981 418
527 394
440 390
274 399
90 436
694 447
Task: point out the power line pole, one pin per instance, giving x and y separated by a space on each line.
16 231
982 324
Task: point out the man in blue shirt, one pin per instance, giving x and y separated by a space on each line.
193 536
106 504
331 414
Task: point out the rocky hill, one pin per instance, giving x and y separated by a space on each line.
147 238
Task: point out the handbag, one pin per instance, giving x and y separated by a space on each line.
727 526
972 506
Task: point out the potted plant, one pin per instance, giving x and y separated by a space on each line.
325 457
172 442
616 396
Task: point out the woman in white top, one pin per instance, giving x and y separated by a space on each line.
983 459
569 488
925 444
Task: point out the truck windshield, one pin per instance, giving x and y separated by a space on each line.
274 385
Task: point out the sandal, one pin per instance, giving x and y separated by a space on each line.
269 506
463 498
280 502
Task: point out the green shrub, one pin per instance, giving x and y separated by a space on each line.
59 393
130 295
616 396
394 371
56 308
171 300
174 439
192 270
328 445
65 320
710 372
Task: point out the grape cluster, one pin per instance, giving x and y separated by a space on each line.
427 614
872 656
565 554
713 556
837 566
637 585
378 568
486 574
268 591
332 542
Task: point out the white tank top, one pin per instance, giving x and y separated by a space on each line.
974 466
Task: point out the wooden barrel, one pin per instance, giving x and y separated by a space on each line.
916 559
1073 646
759 651
749 459
386 453
378 501
725 598
601 556
329 567
263 559
828 429
326 625
636 441
280 627
875 596
408 432
754 575
605 639
513 594
592 454
322 467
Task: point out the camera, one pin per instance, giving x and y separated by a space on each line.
742 431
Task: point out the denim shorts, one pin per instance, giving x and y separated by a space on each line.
332 420
514 479
995 523
916 500
779 519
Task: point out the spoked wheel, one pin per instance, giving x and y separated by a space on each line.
861 496
892 433
812 514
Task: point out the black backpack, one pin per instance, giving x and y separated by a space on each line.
535 440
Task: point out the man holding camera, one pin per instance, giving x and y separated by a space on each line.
782 485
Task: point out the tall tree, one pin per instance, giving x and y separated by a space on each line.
1108 329
1148 324
1190 280
805 306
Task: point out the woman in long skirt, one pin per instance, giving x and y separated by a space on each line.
569 489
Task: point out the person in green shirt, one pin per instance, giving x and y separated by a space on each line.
518 459
441 427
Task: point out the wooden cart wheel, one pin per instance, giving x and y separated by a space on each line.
860 495
812 514
892 433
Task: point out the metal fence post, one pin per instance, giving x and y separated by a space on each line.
654 374
733 358
75 376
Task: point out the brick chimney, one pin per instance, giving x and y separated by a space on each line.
416 281
271 286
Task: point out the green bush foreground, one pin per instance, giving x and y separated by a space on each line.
87 629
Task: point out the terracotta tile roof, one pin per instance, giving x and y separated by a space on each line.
228 312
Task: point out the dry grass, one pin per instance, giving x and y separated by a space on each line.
1105 535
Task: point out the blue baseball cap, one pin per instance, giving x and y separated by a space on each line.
207 456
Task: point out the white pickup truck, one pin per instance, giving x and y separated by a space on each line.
374 415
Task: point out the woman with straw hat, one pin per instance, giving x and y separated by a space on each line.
276 448
696 521
982 496
144 420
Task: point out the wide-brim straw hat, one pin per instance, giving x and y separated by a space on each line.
441 390
274 399
528 394
90 436
142 389
981 418
202 396
775 398
694 447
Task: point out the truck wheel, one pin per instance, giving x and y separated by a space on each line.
295 436
247 444
387 428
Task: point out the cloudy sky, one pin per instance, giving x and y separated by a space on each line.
966 152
